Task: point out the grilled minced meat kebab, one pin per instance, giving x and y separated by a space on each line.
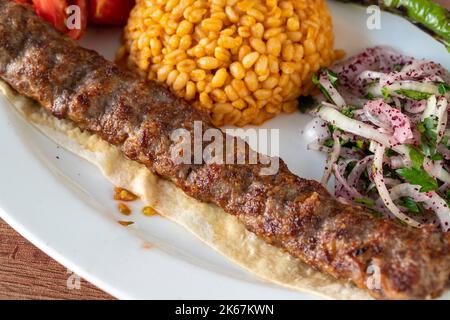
292 213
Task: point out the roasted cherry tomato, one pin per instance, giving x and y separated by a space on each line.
55 12
110 12
79 32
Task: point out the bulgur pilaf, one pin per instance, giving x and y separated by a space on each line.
243 61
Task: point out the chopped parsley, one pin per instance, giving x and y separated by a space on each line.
443 88
397 67
333 77
377 214
428 130
385 92
412 94
437 157
315 80
444 140
328 143
334 80
361 144
419 177
367 201
447 194
348 111
410 205
416 157
369 96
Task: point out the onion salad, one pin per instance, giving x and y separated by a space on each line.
381 118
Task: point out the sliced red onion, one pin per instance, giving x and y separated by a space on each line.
350 194
343 189
419 69
382 189
352 99
415 118
398 104
436 170
369 74
332 158
359 114
396 162
414 106
379 58
438 109
348 153
358 170
416 70
435 203
316 146
387 79
359 128
447 133
422 86
385 126
380 123
389 182
430 109
442 114
444 151
444 187
427 87
366 77
389 117
316 130
342 200
431 200
407 190
334 94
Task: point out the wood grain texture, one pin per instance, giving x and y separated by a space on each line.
444 3
28 273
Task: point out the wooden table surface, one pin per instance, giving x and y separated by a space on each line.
28 273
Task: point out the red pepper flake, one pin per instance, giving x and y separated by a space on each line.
125 223
147 245
149 211
124 209
121 194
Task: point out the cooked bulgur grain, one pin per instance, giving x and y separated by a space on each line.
244 61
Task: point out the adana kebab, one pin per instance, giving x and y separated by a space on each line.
289 212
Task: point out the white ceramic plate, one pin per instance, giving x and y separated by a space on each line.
64 205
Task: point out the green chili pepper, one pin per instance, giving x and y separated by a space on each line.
429 16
